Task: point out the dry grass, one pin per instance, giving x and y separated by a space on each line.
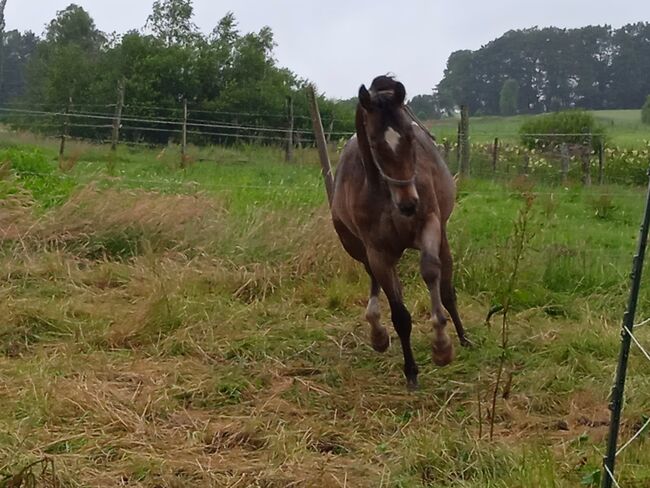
155 340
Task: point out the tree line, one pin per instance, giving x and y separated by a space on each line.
229 75
541 70
224 75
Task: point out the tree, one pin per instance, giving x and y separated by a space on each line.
425 107
645 111
593 67
64 64
17 52
3 3
171 21
509 97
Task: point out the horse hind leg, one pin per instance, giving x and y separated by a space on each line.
448 293
379 337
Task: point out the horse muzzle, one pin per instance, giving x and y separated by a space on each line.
408 207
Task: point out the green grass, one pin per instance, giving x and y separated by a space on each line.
202 326
623 127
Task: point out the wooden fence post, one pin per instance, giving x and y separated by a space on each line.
118 115
289 149
586 162
184 137
464 136
495 155
601 161
65 130
328 137
458 143
326 167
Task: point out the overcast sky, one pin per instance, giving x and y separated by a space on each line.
340 44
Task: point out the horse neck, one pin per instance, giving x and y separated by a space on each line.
364 148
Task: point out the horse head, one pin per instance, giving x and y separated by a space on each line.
390 139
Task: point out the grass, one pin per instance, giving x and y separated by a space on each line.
623 127
203 327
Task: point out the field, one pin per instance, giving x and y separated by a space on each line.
202 327
623 126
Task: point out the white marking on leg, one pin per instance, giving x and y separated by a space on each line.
392 138
373 313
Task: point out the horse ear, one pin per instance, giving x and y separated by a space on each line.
399 94
364 98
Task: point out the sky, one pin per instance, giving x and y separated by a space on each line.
340 44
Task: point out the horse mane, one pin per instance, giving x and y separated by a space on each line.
382 90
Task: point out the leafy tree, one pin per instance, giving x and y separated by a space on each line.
645 111
224 74
593 67
64 64
509 97
3 3
17 52
171 21
425 106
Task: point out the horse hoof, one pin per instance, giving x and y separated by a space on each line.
412 384
443 353
465 342
380 341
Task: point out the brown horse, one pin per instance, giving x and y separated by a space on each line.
393 191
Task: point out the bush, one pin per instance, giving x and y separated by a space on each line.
549 131
27 162
645 111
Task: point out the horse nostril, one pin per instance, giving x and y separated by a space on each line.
408 208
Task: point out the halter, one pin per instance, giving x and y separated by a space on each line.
384 176
388 179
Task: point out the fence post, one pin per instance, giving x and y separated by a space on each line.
65 130
458 143
184 139
326 167
495 155
564 152
464 136
616 402
330 130
586 162
289 149
601 161
118 114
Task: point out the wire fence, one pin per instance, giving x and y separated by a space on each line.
500 160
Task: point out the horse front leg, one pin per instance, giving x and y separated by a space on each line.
431 270
378 335
383 269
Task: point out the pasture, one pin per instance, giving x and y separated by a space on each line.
202 327
623 127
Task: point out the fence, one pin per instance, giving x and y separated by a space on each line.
627 337
152 125
117 123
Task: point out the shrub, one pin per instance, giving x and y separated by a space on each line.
27 162
547 132
645 111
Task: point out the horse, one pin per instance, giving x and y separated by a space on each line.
392 191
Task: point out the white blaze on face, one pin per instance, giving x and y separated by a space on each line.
392 138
